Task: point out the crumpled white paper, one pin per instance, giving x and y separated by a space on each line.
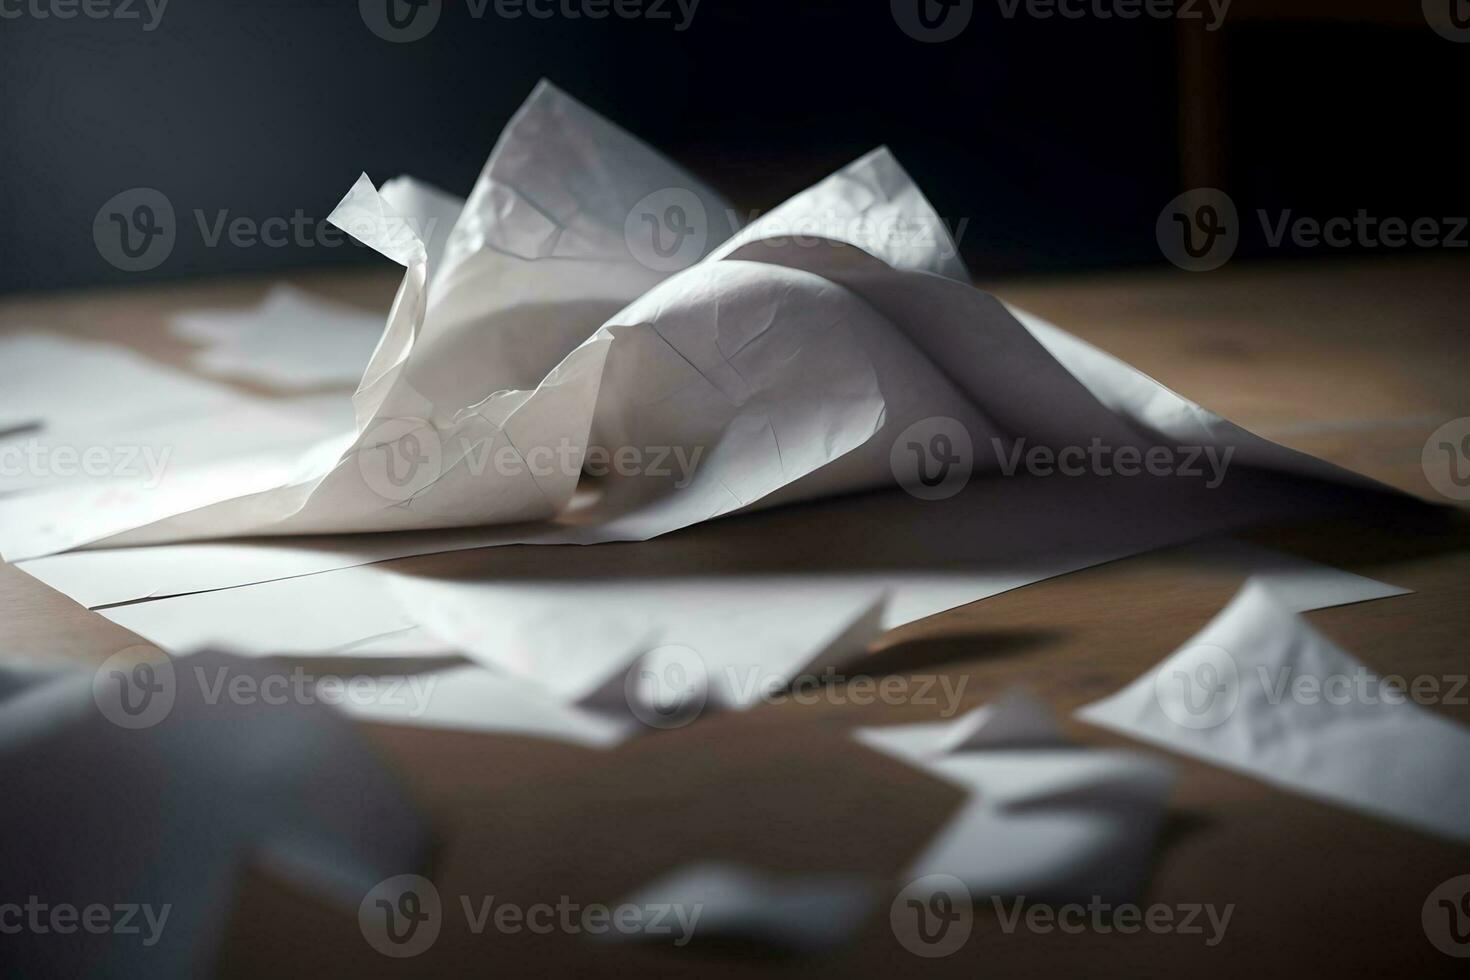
787 361
1258 690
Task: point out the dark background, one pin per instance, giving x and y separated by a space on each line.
1057 139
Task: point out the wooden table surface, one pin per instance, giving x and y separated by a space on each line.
1356 362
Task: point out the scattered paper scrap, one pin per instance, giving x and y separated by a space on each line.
63 383
801 913
1044 818
475 699
291 340
1258 690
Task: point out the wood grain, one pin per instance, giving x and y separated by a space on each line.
1353 361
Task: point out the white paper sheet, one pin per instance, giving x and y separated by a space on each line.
800 416
166 811
1297 583
355 615
571 627
741 639
154 469
475 699
292 339
65 383
1044 819
322 613
97 413
747 635
1229 696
